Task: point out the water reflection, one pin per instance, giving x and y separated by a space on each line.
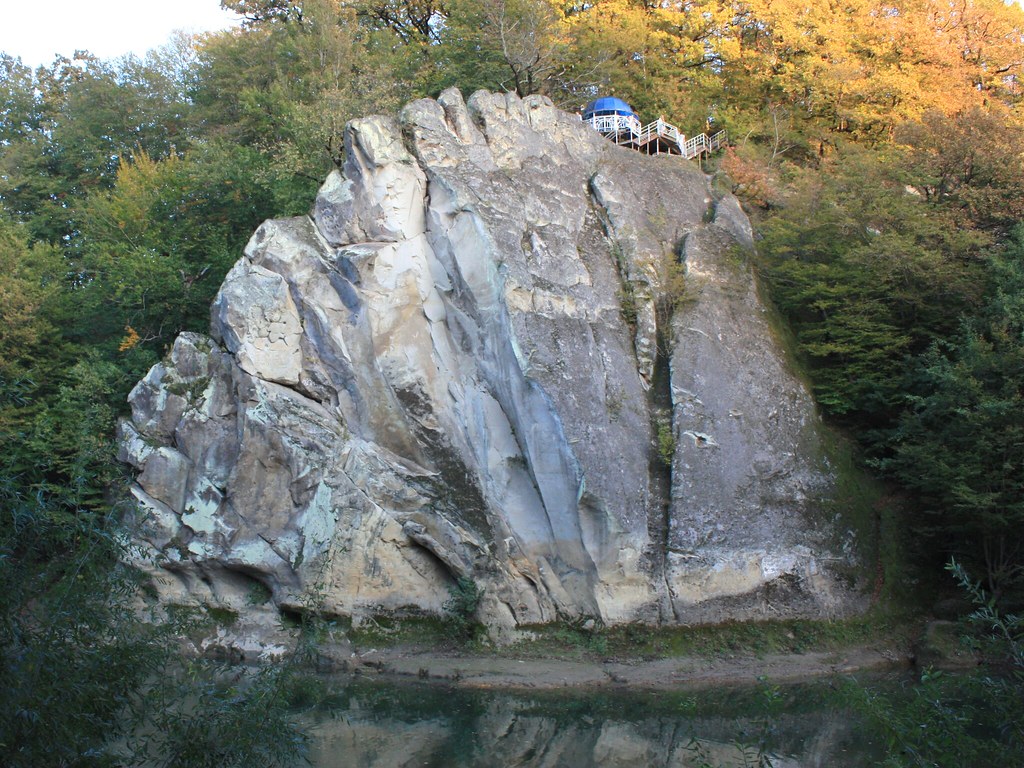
373 725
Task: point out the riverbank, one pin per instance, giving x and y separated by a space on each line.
570 655
502 672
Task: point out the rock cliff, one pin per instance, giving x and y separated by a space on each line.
499 348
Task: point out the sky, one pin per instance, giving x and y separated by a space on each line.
36 31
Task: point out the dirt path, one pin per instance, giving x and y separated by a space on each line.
501 672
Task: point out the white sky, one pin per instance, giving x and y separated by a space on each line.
36 31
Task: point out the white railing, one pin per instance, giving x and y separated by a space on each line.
690 148
614 125
626 129
659 129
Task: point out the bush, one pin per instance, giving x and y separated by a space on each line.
960 721
463 599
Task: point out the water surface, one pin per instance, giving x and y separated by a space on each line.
373 724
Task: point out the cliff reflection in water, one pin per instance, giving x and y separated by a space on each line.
387 726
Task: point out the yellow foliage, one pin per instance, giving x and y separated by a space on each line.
862 66
130 340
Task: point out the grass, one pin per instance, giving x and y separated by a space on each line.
634 642
385 631
638 642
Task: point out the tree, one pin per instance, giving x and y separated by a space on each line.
262 11
962 720
32 352
865 274
520 39
412 21
66 127
29 279
960 444
150 253
663 59
971 161
284 88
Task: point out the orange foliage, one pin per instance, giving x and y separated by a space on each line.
750 179
130 340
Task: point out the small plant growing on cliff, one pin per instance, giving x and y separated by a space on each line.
666 439
627 291
463 599
627 301
259 594
675 293
614 399
221 616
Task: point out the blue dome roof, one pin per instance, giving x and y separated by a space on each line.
608 105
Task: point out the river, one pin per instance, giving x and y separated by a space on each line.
373 724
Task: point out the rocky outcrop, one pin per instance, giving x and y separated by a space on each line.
479 358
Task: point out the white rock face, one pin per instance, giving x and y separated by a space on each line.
454 368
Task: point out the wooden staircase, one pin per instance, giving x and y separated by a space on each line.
657 138
702 143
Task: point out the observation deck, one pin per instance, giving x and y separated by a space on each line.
615 120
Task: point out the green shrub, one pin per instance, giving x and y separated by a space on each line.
463 599
963 720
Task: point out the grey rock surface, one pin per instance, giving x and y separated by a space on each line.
456 367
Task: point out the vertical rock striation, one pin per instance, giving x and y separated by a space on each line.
453 369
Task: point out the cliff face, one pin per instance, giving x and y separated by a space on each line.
476 359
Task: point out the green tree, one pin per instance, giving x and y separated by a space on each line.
961 720
32 350
29 279
971 162
865 274
66 127
411 21
262 11
87 680
286 85
150 253
960 445
74 654
503 45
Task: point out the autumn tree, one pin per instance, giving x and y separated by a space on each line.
663 59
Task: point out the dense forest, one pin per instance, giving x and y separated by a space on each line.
877 144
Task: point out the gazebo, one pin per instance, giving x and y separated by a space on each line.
613 118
